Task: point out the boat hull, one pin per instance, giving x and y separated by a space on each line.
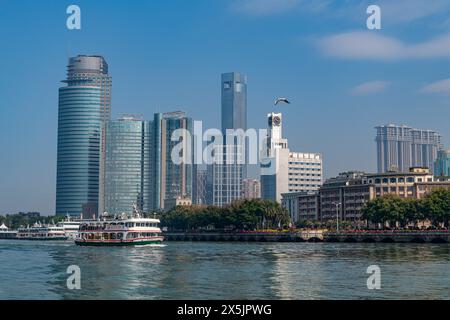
117 243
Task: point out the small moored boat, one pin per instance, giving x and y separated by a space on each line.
41 232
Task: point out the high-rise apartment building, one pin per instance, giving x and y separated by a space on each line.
127 170
402 147
84 108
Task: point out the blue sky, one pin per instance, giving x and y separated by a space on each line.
168 55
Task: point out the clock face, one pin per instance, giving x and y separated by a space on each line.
276 121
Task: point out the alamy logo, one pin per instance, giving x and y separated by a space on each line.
74 20
374 281
213 147
74 280
374 20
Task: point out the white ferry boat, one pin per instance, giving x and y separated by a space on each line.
5 233
120 231
70 226
41 232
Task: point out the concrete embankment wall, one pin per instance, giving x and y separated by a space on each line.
315 236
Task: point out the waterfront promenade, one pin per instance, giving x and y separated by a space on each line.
303 236
382 236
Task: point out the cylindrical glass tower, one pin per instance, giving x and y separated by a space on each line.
84 109
79 130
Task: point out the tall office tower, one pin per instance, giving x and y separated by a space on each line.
442 164
227 176
283 171
155 162
173 179
84 106
401 147
234 101
251 189
127 170
176 178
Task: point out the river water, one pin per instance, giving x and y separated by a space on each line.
209 270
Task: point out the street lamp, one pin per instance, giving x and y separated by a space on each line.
337 204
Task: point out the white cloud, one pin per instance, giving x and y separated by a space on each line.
442 86
402 11
369 45
371 87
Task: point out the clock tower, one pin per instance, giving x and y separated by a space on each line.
274 162
275 133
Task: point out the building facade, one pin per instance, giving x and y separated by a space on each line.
345 196
234 101
199 185
127 170
305 172
175 175
175 202
442 165
251 189
143 166
227 176
84 109
401 147
302 206
78 169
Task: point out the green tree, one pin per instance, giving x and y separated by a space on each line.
436 206
413 211
389 208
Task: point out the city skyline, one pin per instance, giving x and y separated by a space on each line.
361 92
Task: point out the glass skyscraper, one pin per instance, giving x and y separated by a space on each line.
84 108
234 101
139 166
127 170
227 177
442 165
79 130
176 179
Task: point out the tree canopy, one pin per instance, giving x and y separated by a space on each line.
241 215
435 206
